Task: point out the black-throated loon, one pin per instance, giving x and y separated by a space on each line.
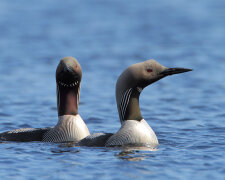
70 126
134 129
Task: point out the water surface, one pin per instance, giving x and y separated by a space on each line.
186 111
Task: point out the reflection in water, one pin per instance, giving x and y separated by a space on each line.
65 147
128 153
63 150
134 153
130 156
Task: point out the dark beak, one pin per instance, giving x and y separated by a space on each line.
171 71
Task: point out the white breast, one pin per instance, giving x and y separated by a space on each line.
68 128
134 132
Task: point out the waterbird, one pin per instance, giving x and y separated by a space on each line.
134 131
70 126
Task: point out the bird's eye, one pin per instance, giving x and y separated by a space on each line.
149 70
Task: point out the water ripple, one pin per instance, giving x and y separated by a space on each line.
186 111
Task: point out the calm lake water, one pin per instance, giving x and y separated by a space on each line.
186 111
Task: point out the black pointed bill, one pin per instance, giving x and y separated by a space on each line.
171 71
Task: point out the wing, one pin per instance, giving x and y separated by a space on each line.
97 140
24 134
120 138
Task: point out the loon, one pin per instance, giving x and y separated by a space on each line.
134 131
70 126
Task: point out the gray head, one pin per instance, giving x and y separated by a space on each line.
68 79
68 72
133 80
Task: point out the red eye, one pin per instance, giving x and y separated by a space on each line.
149 70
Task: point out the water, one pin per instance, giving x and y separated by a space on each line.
186 111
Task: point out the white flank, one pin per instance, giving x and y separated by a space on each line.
69 128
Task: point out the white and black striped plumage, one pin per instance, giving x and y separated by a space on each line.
124 102
24 134
97 140
69 128
134 132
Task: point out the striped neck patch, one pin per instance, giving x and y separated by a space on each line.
124 102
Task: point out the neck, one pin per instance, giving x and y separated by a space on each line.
129 105
67 100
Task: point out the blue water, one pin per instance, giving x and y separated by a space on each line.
186 111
